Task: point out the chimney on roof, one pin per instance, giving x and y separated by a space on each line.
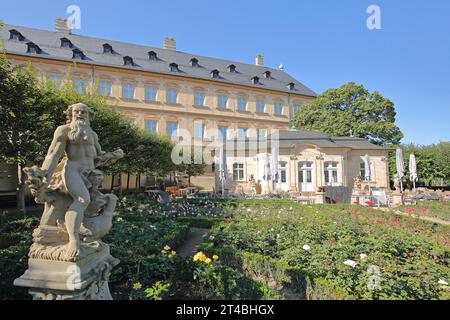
259 60
62 26
170 43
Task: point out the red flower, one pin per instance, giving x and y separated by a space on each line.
370 203
338 198
394 219
409 210
356 202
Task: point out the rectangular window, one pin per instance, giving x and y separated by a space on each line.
283 176
150 93
260 106
223 132
128 91
171 96
80 85
242 133
261 133
56 81
105 88
172 127
199 131
238 171
295 108
278 108
222 102
151 126
199 99
242 104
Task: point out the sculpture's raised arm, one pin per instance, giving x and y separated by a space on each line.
55 151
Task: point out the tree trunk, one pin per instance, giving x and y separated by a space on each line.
120 185
20 195
112 183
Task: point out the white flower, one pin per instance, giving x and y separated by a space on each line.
363 257
249 210
290 208
443 282
211 237
350 263
306 247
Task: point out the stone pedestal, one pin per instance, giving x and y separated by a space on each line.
396 199
85 279
320 198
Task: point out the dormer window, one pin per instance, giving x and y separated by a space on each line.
33 48
215 74
66 43
174 67
15 35
267 74
255 80
152 55
128 61
291 86
194 62
107 48
78 54
232 68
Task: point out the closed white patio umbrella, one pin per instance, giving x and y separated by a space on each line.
274 166
399 162
413 170
222 169
367 169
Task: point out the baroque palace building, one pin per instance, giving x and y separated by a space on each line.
165 90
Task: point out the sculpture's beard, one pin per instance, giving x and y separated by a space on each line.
79 131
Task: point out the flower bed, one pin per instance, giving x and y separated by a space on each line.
435 209
360 252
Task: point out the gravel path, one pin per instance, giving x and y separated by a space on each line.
193 240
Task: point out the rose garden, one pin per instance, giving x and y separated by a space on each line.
71 238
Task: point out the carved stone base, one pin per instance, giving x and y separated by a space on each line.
85 279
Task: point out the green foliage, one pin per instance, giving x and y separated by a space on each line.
351 107
432 164
194 167
158 291
31 110
221 282
268 240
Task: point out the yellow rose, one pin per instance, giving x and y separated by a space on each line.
208 260
215 257
173 253
167 248
163 251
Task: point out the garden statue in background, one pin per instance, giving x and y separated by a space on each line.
253 184
76 214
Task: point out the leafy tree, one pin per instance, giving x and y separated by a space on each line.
432 164
351 108
192 168
30 110
23 123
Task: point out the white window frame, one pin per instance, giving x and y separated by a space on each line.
151 121
171 93
128 90
238 171
153 95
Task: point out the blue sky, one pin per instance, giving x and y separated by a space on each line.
322 43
